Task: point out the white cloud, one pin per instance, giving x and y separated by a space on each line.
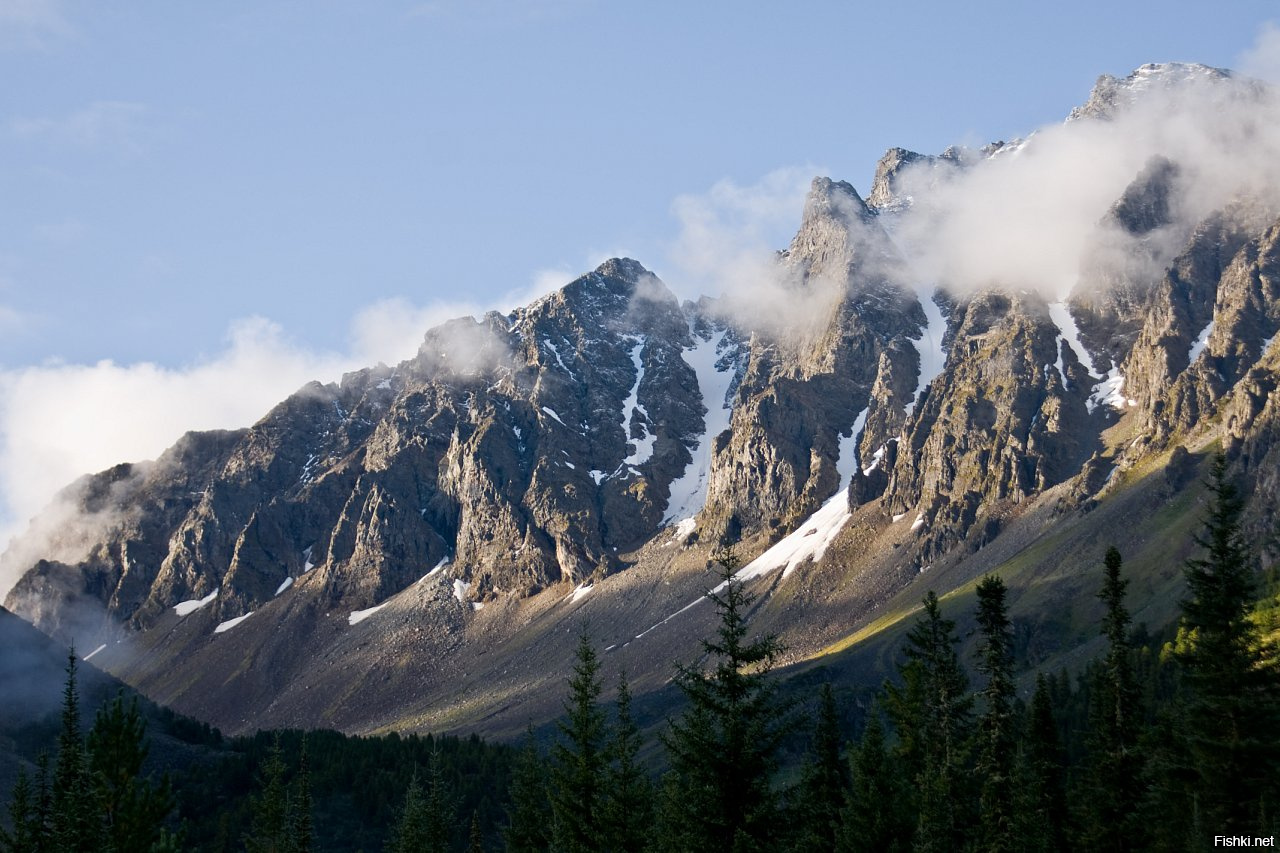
1262 59
729 234
1026 219
390 330
59 421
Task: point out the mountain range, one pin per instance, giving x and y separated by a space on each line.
862 417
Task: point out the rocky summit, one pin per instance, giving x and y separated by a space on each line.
419 546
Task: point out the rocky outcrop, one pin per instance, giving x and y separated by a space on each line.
1003 422
804 387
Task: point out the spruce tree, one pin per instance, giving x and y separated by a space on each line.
134 809
475 839
425 825
628 798
824 782
43 825
76 817
1233 710
723 751
407 834
269 831
526 830
932 714
876 817
24 832
578 760
1114 759
301 827
1040 797
997 735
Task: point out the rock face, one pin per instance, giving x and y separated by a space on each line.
805 384
522 450
607 435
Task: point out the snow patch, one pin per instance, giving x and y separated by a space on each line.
307 565
1266 345
288 582
918 523
807 542
183 608
552 414
546 342
231 623
460 588
579 591
847 451
94 652
598 476
358 616
444 561
1060 314
899 517
1110 392
1198 345
644 444
689 490
684 529
929 346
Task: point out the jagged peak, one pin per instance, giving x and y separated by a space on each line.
833 200
887 171
626 269
1111 93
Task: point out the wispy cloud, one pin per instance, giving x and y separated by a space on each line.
59 421
32 24
1029 219
729 234
102 125
1262 59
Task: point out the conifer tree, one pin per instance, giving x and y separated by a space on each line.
23 835
723 751
269 831
875 817
526 830
134 810
1040 798
301 828
1233 710
1115 761
407 835
578 760
628 800
77 825
825 781
426 822
43 825
997 736
932 713
475 840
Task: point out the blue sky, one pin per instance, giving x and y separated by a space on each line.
206 194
